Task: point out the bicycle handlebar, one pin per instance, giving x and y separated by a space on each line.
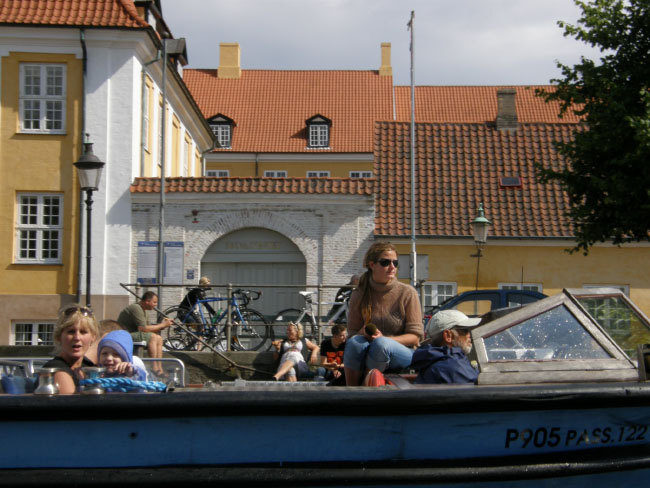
246 295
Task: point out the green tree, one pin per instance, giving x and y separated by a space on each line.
608 175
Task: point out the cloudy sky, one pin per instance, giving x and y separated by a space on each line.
457 42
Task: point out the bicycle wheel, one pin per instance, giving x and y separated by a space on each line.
176 337
282 319
253 332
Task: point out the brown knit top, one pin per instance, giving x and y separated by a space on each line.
395 309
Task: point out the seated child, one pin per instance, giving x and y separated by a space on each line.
115 353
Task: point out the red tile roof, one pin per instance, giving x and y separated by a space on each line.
474 104
339 186
459 166
270 108
95 13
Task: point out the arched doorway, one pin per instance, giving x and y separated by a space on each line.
256 256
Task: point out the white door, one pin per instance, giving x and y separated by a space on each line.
256 256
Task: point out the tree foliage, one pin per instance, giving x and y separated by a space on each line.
608 175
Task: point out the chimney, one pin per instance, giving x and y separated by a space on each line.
385 69
506 109
229 60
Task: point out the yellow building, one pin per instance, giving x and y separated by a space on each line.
88 67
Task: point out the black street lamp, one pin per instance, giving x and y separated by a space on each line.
479 229
90 173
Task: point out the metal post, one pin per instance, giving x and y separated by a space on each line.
229 319
161 219
319 313
89 206
413 267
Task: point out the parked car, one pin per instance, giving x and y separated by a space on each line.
478 302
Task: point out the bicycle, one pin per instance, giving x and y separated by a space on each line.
282 318
249 329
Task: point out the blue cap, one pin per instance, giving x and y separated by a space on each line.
121 342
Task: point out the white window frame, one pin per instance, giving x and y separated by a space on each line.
360 174
319 135
223 133
43 98
219 173
521 286
275 173
318 174
36 232
624 288
185 148
431 292
39 333
145 118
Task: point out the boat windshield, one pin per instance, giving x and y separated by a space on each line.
619 319
555 334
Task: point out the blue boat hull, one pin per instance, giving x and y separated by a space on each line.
479 436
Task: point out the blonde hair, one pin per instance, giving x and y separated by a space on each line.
299 329
70 315
372 256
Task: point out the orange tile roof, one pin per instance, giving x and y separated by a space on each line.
91 13
270 107
211 184
459 166
474 105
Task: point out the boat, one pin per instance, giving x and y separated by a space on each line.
561 400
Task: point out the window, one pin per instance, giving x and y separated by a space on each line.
222 133
318 129
39 228
318 174
360 174
145 117
275 174
318 135
624 288
33 334
220 173
521 286
434 293
185 156
222 129
42 98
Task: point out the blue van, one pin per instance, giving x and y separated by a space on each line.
478 302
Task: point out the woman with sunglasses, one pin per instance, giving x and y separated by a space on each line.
394 309
75 330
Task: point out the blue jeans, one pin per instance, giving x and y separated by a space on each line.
383 353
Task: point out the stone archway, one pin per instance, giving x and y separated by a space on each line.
258 256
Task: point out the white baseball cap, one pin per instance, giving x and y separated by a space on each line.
447 319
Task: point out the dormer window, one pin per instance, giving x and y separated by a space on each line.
222 129
318 130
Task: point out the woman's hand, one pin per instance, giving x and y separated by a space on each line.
372 337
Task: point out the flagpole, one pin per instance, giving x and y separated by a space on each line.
413 266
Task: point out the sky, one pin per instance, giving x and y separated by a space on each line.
457 42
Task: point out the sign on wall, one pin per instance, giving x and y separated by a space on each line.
148 262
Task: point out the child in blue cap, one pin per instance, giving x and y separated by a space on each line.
115 353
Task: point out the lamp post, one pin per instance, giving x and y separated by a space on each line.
90 172
479 229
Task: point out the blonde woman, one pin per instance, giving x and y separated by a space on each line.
75 331
393 307
296 352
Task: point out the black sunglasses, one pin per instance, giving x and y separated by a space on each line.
82 310
386 262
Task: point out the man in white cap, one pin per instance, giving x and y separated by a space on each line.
445 360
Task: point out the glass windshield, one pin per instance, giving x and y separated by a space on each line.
619 320
554 334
